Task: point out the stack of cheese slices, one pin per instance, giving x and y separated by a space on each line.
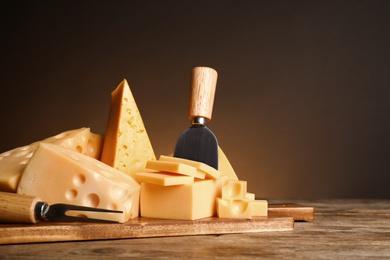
120 171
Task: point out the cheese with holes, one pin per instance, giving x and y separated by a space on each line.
60 175
13 162
162 178
235 190
175 167
228 208
209 171
185 202
126 143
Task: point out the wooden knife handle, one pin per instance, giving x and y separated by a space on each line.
17 208
203 85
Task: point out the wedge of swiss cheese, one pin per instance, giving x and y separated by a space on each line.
60 175
13 162
126 143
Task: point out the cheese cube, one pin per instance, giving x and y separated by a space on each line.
208 170
175 167
231 208
234 189
126 143
60 175
250 196
186 202
164 179
13 162
259 208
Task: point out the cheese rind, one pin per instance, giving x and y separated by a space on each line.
175 167
164 179
210 172
60 175
13 162
186 202
126 146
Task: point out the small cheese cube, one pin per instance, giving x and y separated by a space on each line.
259 208
60 175
234 189
208 170
175 167
186 202
13 162
250 196
164 179
231 208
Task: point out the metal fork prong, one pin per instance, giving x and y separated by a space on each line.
58 212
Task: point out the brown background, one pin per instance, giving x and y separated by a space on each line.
302 102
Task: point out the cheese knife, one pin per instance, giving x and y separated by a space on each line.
198 142
17 208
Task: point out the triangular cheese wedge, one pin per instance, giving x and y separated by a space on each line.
126 144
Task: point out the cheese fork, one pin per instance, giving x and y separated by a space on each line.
16 208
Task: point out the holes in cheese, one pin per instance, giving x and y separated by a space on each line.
208 170
60 175
164 179
227 208
175 167
13 162
126 143
234 189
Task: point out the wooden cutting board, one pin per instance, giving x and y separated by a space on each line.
280 218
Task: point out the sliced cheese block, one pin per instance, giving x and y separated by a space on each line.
208 170
13 162
60 175
175 167
126 143
259 208
186 202
234 189
164 179
227 208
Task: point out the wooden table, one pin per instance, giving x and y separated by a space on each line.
342 229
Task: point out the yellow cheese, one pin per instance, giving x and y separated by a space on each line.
60 175
126 143
208 170
250 196
187 202
13 162
163 179
259 208
228 208
174 167
224 165
235 190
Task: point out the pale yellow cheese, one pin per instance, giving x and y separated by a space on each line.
164 179
259 208
60 175
13 162
250 196
186 202
175 167
234 190
230 208
126 143
208 170
224 165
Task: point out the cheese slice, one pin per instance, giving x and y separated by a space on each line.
13 162
162 178
208 170
60 175
186 202
126 143
224 165
175 167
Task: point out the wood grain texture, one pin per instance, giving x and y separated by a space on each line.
342 229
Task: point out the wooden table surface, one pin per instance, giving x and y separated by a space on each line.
342 229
